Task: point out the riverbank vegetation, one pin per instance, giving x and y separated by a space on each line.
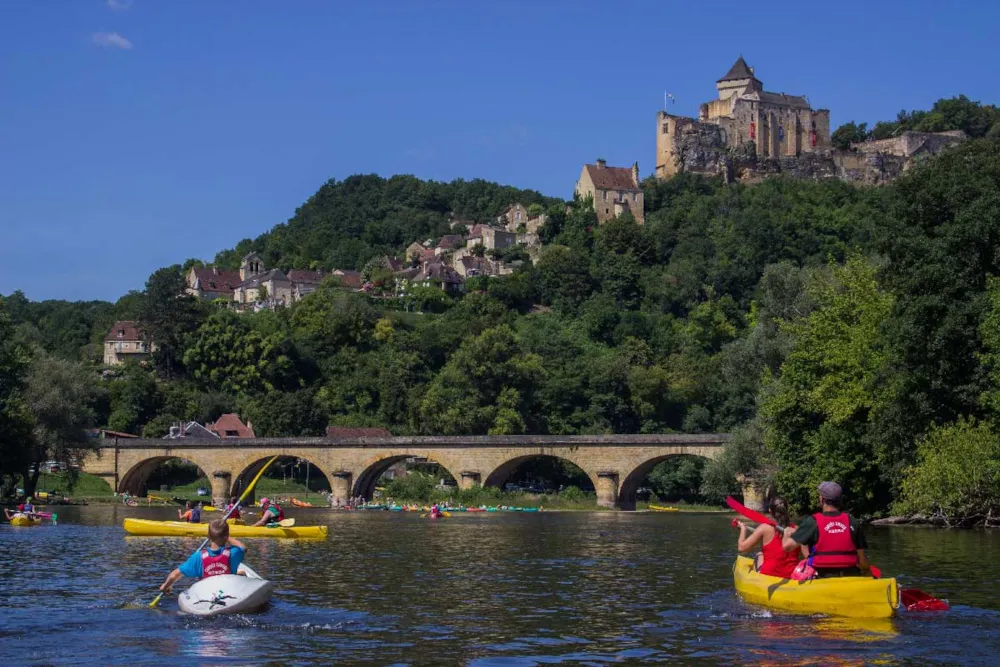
839 332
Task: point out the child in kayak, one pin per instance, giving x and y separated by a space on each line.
223 556
435 511
772 560
191 514
16 514
233 509
270 512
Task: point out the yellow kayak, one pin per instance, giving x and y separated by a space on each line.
25 521
661 508
856 597
184 529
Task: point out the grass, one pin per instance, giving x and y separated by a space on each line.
267 486
87 486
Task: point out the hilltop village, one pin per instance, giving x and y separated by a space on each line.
746 134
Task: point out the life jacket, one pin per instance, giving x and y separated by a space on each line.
281 512
777 561
835 547
29 508
234 511
212 566
195 515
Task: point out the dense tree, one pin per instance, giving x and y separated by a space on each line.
849 133
60 395
15 416
166 315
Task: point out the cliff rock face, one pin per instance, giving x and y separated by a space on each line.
701 148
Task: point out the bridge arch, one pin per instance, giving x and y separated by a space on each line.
630 484
372 469
502 472
249 470
135 478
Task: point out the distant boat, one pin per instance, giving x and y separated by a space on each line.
661 508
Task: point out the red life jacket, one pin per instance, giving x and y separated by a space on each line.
777 561
234 512
281 512
212 566
835 546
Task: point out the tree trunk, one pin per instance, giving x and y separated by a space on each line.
29 482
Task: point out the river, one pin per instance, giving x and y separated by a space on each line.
574 588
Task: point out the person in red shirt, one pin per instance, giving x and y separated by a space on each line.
772 560
834 538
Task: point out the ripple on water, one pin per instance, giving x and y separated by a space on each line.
580 589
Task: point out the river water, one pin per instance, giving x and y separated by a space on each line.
583 588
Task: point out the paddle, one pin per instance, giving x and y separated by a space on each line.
284 523
913 599
243 497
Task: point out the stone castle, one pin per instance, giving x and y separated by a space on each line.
748 134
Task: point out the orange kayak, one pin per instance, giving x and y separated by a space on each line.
299 503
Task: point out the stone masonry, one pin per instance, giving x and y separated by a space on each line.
615 464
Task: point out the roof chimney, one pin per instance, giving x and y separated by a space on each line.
635 173
601 163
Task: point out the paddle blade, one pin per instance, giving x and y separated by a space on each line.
445 513
876 573
286 523
156 601
737 506
914 599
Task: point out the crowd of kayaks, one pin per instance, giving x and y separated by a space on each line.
446 508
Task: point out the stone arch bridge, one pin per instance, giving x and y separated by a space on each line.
615 464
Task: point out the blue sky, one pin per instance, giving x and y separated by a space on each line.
137 133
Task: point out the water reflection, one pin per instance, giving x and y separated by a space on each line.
480 590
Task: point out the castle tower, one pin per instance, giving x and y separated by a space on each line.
739 80
251 266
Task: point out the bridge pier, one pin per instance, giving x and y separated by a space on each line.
607 488
220 487
469 479
754 495
340 485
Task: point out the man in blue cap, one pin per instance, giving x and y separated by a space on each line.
835 541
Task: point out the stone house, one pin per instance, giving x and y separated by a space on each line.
229 425
490 237
272 288
304 282
615 190
437 274
126 342
470 265
210 282
513 216
449 242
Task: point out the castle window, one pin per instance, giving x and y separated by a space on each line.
666 128
605 211
604 195
635 197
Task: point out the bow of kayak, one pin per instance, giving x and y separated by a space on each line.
146 527
856 597
227 594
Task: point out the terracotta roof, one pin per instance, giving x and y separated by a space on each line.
231 422
348 432
477 230
211 279
348 278
124 330
612 178
739 70
304 276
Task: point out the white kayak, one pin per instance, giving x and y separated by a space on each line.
227 594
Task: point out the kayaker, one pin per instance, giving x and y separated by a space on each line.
223 556
270 512
233 509
435 511
18 513
834 538
772 560
191 514
29 507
